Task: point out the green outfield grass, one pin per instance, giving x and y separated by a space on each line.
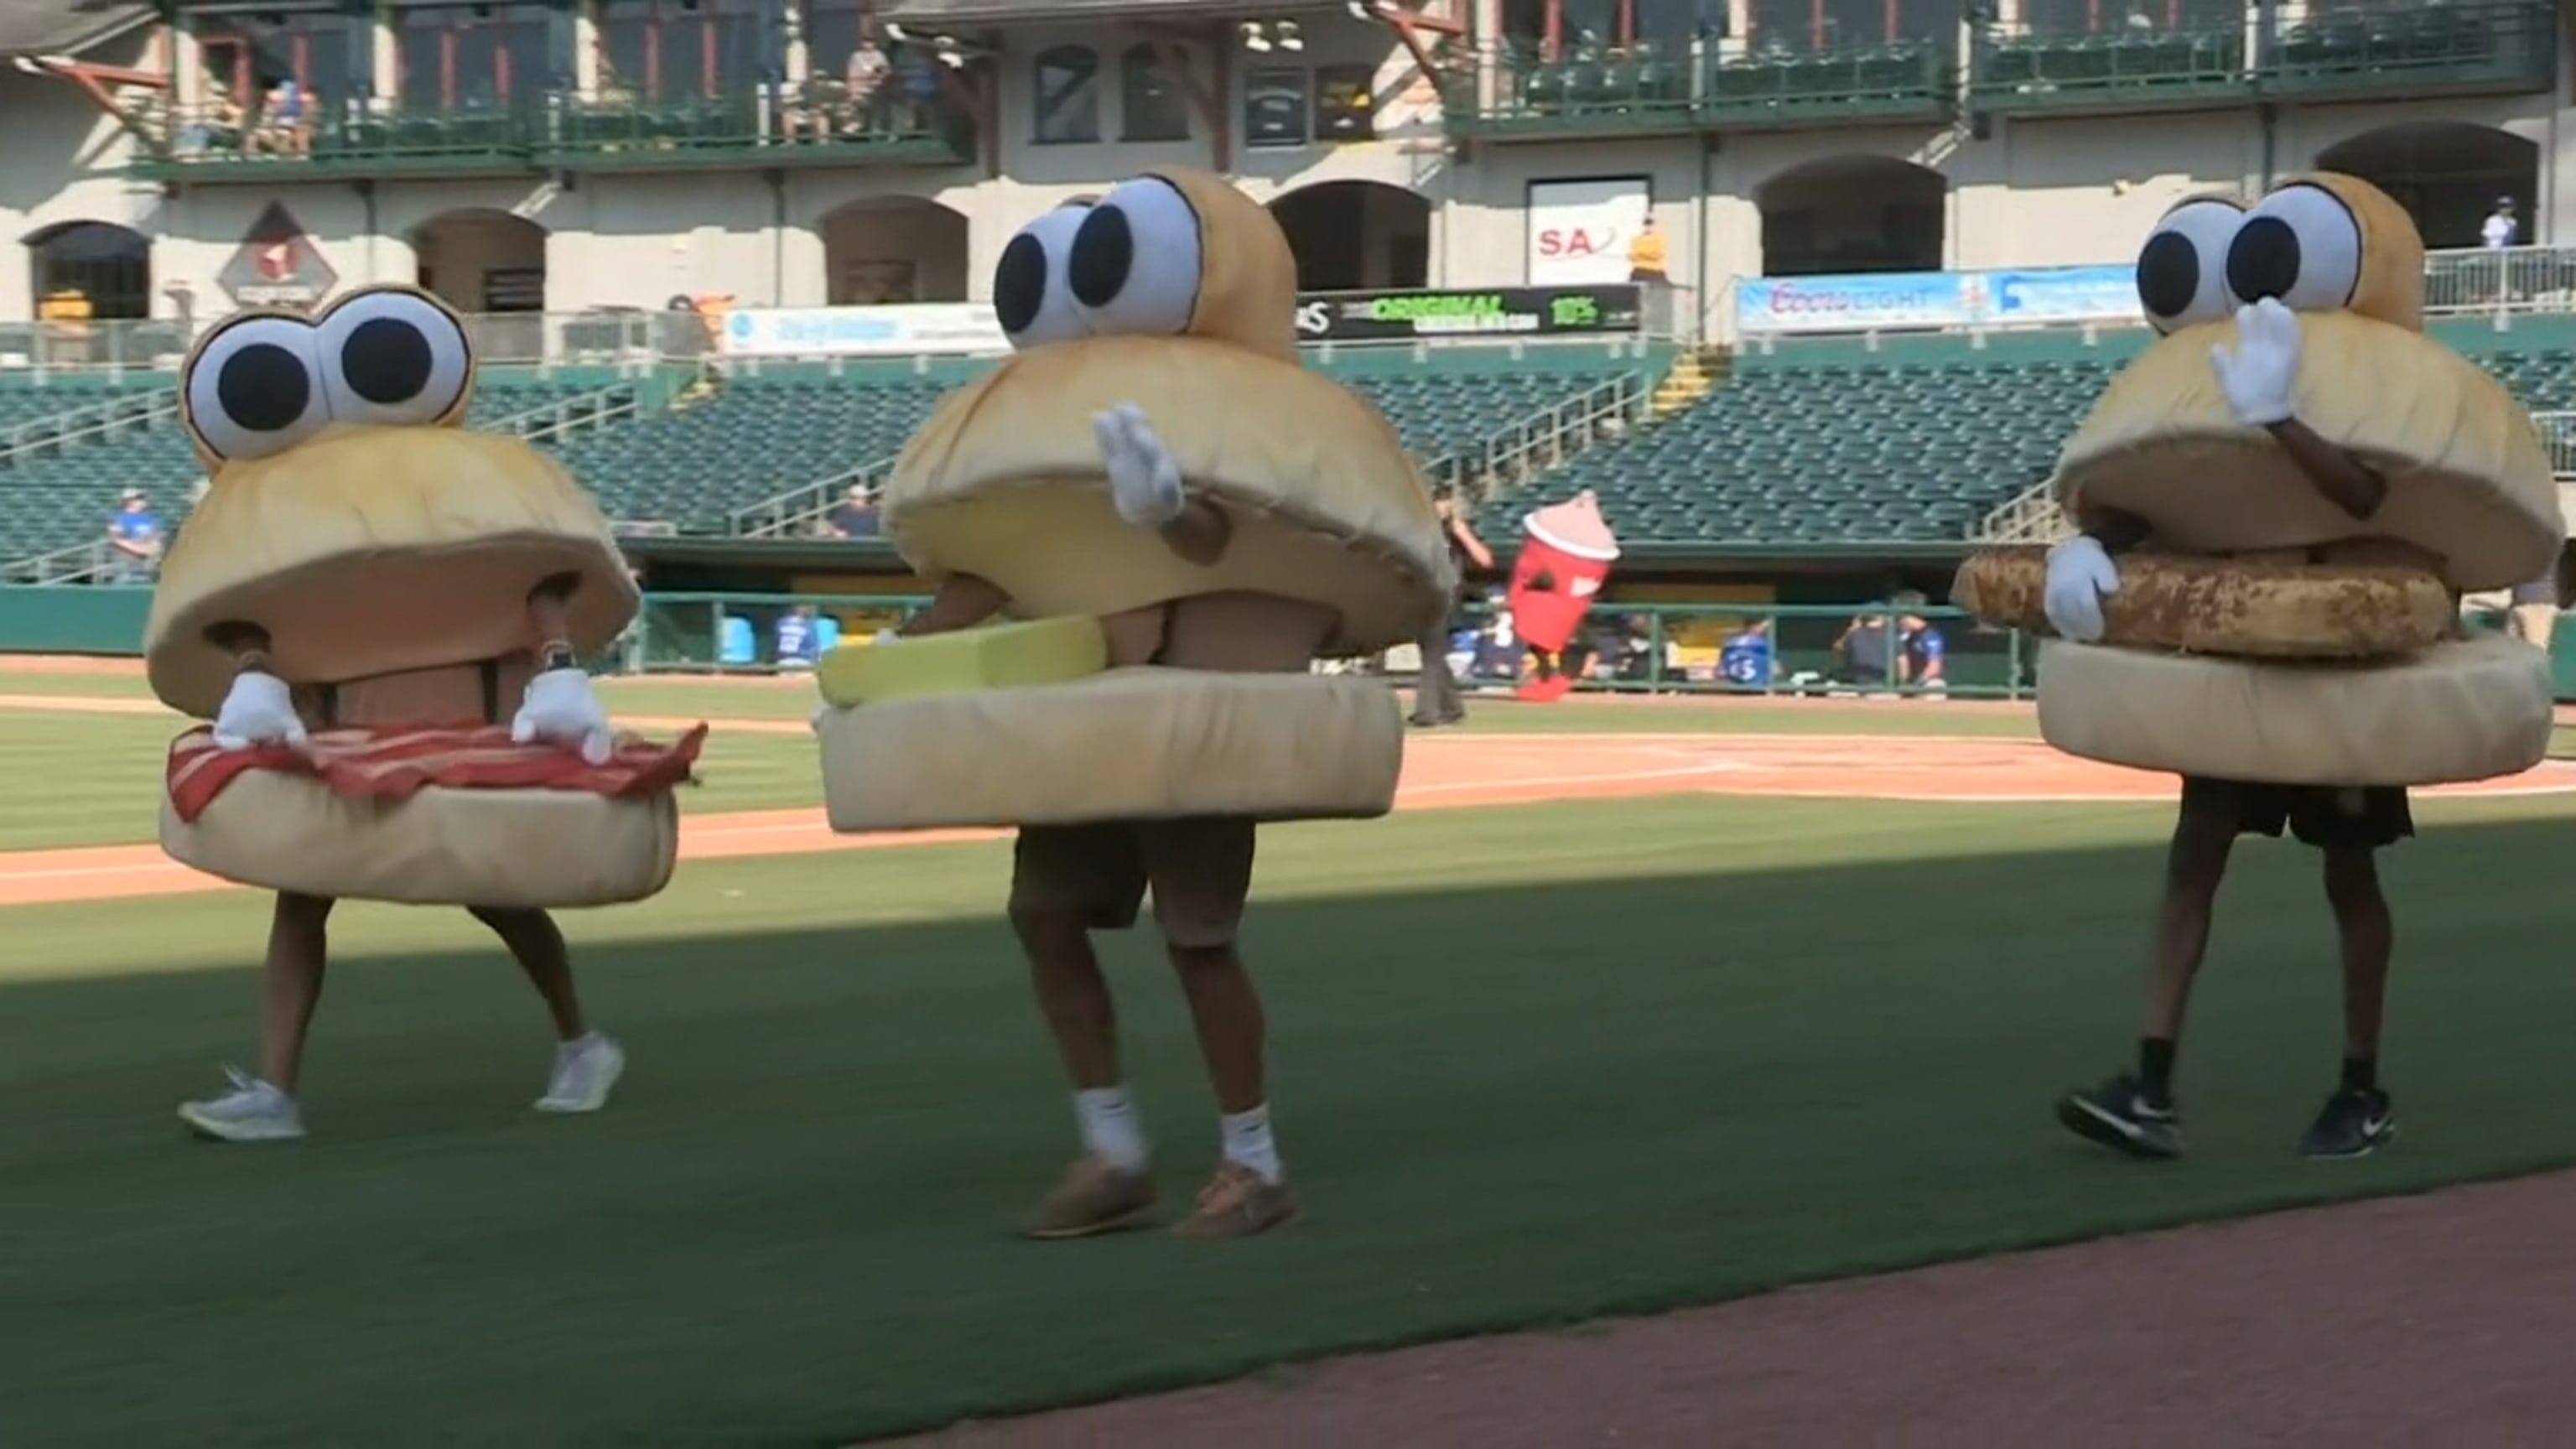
1534 1065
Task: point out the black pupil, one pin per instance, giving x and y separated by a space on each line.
386 361
2168 274
1019 283
2264 262
264 388
1104 251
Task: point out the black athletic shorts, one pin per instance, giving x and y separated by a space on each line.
2323 816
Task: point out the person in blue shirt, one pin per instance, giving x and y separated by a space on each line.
1745 658
800 641
1924 651
133 538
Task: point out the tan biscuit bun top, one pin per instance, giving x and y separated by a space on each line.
353 518
2467 477
1006 480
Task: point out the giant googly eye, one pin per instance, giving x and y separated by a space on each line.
254 388
1136 261
2182 270
393 357
2301 245
1033 286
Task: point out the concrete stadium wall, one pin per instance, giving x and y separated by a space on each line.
2038 192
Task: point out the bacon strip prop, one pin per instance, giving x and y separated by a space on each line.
392 764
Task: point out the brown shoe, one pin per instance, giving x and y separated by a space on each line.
1236 1203
1093 1198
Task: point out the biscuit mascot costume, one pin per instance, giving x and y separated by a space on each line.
2281 501
1181 519
1566 552
382 612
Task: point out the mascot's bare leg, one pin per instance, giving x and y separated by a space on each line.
1070 881
587 1064
264 1108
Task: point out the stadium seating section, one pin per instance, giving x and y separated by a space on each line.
1840 440
68 450
1909 439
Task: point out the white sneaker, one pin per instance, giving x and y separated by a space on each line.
585 1072
253 1111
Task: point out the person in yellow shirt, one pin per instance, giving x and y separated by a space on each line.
1646 254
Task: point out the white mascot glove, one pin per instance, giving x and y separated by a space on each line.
1144 482
561 709
258 710
2261 377
2080 576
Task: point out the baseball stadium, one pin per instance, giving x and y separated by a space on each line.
1671 1064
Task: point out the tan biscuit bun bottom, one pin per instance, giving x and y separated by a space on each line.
501 848
1131 744
2468 710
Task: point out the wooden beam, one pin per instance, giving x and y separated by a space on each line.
975 96
95 82
1208 101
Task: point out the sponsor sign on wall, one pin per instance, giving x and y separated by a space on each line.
1579 230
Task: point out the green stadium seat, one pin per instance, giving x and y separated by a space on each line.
1805 448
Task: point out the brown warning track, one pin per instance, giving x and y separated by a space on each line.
2447 1319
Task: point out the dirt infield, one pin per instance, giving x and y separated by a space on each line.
2442 1319
1441 772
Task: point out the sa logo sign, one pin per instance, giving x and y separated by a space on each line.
1577 241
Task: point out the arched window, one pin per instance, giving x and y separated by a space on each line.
1149 97
109 267
1067 95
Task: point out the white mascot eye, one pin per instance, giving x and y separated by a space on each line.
393 357
2301 245
2182 270
1033 285
1137 259
253 388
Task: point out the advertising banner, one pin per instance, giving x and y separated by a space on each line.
1875 301
1579 231
906 330
1499 311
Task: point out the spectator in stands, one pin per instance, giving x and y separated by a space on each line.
857 515
1919 663
1745 659
284 126
863 83
800 640
1436 700
2503 228
1646 254
133 539
1867 647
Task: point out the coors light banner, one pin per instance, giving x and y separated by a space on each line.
1493 312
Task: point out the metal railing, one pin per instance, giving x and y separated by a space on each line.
564 417
94 562
1522 449
2030 516
116 413
797 511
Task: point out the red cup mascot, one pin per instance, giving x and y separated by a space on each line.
1565 558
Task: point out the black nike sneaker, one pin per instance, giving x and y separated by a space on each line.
2123 1115
2353 1123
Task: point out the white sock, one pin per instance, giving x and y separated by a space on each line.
1111 1129
1248 1144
